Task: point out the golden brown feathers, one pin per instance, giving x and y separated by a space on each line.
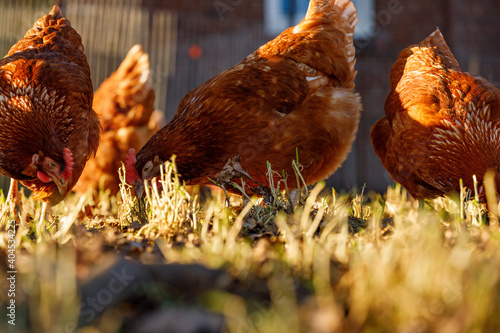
441 124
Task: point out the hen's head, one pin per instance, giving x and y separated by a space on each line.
52 169
149 169
51 175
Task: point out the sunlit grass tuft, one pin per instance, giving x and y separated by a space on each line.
326 262
167 209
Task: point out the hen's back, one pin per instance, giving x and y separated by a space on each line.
440 123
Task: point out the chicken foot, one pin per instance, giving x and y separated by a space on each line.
230 171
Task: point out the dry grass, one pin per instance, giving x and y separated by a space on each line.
329 263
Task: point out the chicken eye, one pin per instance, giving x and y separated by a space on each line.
52 164
147 167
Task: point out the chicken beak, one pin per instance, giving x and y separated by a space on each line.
62 185
139 188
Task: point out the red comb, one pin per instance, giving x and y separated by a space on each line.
68 164
130 171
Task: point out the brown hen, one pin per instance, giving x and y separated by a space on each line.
441 124
293 95
48 127
124 103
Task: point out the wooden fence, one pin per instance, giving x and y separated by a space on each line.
108 30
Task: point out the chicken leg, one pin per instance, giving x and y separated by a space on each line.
45 211
231 170
14 199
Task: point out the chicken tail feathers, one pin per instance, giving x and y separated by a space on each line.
126 97
350 14
331 10
431 53
135 79
333 23
437 42
433 39
135 68
56 13
56 21
45 21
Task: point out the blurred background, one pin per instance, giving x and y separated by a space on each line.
190 41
